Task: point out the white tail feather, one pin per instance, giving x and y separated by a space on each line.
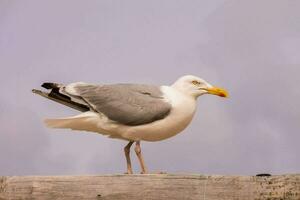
85 121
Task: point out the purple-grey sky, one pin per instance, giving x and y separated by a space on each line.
249 47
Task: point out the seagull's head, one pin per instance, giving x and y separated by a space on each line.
195 87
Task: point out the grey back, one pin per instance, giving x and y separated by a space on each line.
129 104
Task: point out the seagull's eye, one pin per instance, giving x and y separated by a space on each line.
196 82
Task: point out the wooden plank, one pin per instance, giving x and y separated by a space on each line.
163 186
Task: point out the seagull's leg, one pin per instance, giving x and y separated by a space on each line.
127 155
138 152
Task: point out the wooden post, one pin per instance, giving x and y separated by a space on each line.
164 186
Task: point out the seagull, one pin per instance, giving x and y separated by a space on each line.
131 112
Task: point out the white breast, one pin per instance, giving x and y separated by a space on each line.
183 109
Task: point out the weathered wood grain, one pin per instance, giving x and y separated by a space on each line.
164 186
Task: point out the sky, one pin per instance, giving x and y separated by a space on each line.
251 48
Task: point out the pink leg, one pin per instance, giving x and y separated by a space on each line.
127 155
138 152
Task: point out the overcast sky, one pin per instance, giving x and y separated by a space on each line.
250 48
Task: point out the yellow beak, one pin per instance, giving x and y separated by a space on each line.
217 91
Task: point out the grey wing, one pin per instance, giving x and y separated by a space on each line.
129 104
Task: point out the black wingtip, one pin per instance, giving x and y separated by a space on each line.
49 85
